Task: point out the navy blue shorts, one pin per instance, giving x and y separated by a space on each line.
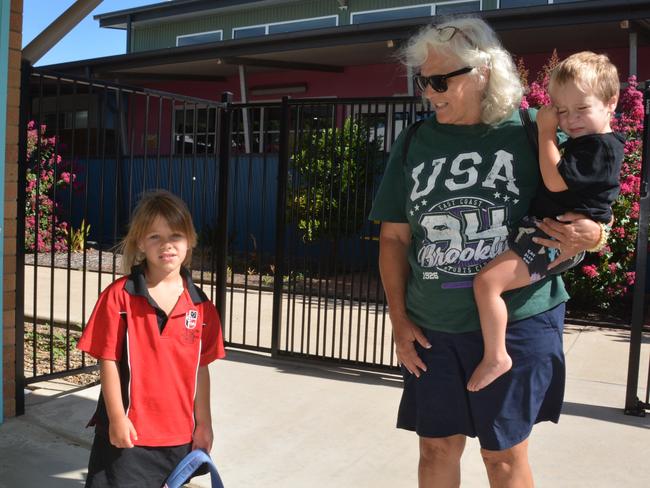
501 415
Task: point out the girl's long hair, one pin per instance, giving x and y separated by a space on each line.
158 203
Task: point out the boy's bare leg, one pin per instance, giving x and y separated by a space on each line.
505 272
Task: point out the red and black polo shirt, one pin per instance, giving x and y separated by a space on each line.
158 355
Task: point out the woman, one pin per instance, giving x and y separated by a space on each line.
468 174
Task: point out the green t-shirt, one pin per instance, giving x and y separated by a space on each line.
461 190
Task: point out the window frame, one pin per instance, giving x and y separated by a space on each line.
432 6
219 31
284 22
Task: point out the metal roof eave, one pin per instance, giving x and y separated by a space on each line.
170 11
183 9
398 30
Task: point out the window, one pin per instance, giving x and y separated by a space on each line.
458 8
425 10
244 32
521 3
302 25
199 38
65 120
391 14
283 27
194 130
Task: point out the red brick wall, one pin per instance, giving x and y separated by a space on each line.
11 186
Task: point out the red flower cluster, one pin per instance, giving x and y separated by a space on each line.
46 229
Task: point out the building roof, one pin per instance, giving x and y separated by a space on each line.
176 10
596 24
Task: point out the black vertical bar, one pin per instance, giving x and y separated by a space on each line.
280 216
633 406
145 143
222 211
129 32
158 134
53 220
68 283
84 276
25 101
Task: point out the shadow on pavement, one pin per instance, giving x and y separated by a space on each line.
318 369
605 414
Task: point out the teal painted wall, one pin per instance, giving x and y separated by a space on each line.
163 35
5 13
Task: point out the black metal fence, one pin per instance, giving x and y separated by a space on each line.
285 187
279 193
635 402
90 149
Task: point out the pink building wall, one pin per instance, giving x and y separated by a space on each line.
377 80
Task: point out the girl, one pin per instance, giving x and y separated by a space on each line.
154 332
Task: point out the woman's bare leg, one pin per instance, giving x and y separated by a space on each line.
509 468
505 272
439 465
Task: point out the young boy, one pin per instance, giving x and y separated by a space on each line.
582 177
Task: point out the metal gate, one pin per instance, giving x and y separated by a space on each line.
636 403
283 187
90 149
287 195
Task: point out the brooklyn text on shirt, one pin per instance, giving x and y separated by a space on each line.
462 233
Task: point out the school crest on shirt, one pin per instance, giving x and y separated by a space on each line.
190 319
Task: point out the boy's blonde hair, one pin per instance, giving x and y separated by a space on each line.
159 203
591 72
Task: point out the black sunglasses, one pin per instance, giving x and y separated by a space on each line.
438 82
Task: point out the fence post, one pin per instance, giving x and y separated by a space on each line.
634 406
222 211
25 109
280 226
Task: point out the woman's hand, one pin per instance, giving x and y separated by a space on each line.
405 334
572 233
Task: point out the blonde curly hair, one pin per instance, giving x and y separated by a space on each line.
475 44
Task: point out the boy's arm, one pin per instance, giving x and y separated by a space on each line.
549 155
121 430
203 436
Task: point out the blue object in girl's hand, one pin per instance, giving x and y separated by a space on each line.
190 463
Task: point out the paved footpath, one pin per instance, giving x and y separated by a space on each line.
287 424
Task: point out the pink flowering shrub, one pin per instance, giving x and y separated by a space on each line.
47 173
606 278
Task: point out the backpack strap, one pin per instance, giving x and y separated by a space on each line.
410 132
188 465
531 129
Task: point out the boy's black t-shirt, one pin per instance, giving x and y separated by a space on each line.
590 166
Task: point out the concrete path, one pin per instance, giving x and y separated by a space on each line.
281 423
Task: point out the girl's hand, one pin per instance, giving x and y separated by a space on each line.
121 432
547 119
572 233
405 334
203 437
